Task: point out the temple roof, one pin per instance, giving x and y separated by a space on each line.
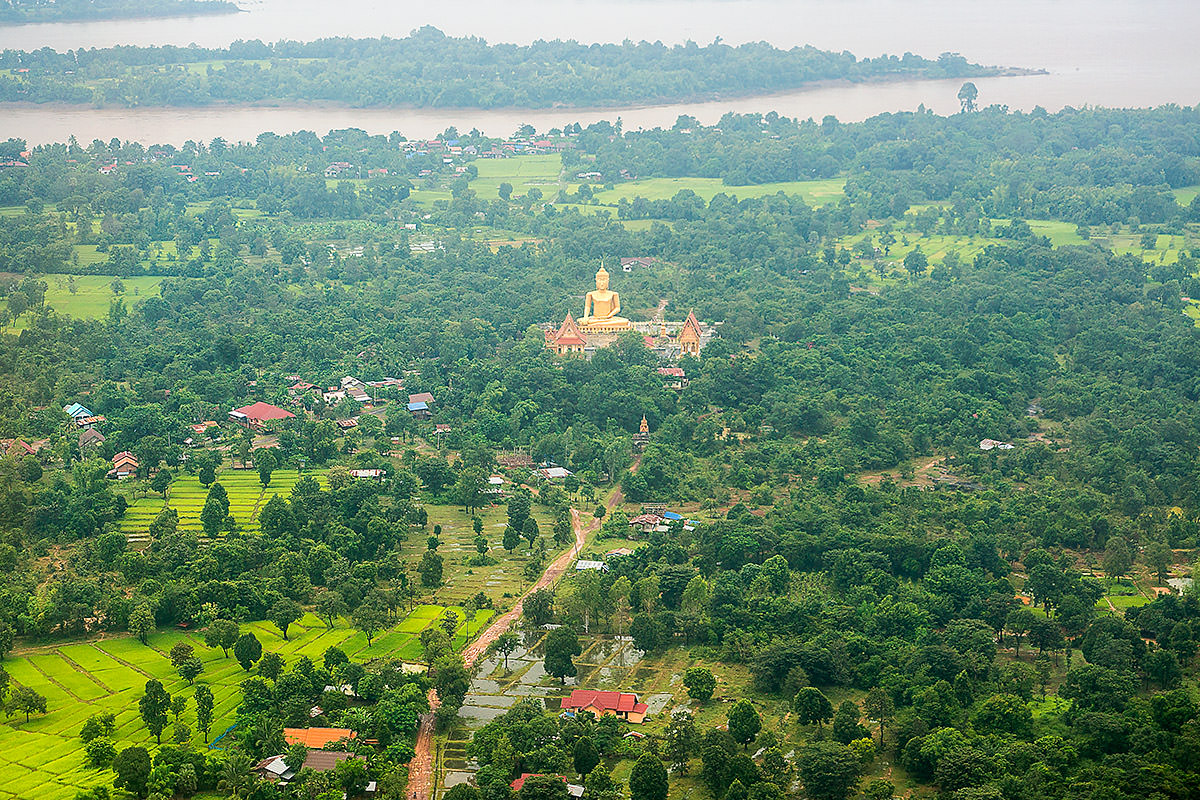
569 333
692 323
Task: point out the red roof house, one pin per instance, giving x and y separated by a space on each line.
125 465
573 790
623 704
258 413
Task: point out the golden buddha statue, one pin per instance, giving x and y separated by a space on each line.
600 308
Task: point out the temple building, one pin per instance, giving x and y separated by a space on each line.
567 340
601 325
642 437
691 336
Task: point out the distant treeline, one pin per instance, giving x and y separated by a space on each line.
18 11
430 69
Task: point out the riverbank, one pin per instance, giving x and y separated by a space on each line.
68 13
466 110
51 123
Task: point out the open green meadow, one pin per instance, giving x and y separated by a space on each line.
44 758
1185 195
92 293
522 172
815 193
186 495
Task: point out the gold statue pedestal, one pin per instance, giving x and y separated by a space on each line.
610 325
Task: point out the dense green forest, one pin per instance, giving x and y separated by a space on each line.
834 618
429 69
16 11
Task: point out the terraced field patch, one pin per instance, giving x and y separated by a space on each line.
186 496
44 758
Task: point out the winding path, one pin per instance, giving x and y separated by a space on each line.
420 768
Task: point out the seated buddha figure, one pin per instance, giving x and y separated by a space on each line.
600 308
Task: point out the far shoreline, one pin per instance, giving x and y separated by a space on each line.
295 105
189 14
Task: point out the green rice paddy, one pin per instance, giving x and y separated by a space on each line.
186 495
44 758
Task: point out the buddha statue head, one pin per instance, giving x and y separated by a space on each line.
602 279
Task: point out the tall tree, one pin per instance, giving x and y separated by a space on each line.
648 779
812 707
222 633
744 722
561 646
284 612
585 756
204 709
141 622
247 650
153 707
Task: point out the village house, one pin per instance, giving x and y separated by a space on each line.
90 437
992 444
646 522
258 414
573 789
77 411
628 264
124 465
675 377
316 738
582 565
347 424
202 428
553 473
275 770
368 474
623 705
338 168
15 448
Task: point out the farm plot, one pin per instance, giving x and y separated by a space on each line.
44 757
187 495
501 580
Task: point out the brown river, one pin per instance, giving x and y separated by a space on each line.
1115 53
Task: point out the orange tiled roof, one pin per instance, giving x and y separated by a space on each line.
316 738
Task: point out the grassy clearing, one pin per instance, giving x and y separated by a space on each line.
499 581
1186 195
186 495
93 293
936 247
44 758
815 193
523 173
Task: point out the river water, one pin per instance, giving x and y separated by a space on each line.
1115 53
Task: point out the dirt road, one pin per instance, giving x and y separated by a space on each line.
420 769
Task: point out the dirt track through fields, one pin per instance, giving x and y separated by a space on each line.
420 769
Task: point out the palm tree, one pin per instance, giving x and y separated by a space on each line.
266 734
358 720
236 777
